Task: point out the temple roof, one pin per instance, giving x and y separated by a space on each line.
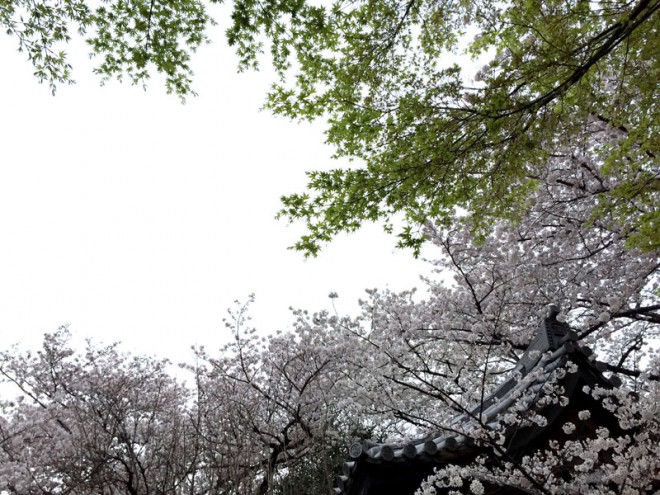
408 463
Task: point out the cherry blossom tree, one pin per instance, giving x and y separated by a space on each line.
281 400
96 422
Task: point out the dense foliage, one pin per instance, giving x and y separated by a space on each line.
273 414
444 103
435 131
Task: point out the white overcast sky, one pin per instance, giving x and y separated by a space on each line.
132 217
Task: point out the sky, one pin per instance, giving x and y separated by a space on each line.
131 217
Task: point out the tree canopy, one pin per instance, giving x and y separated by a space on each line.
434 135
442 104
